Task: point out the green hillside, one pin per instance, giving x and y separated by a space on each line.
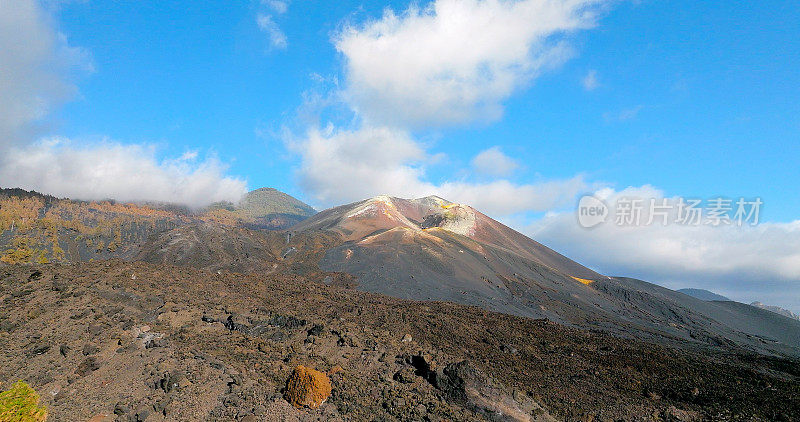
268 201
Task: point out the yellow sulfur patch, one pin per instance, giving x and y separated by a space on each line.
584 281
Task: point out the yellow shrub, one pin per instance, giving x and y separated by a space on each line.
42 259
21 404
21 253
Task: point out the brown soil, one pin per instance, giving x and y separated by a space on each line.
135 341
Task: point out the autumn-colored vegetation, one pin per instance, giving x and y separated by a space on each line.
223 216
38 228
20 403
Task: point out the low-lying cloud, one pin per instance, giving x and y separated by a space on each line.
122 172
745 263
37 75
349 165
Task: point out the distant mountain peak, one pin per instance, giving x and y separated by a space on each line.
264 208
382 207
420 214
777 310
268 201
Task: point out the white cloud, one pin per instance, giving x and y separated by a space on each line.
590 82
36 64
745 263
494 162
455 61
277 38
451 62
122 172
344 166
501 198
278 6
340 166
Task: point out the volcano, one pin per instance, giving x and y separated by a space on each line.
433 249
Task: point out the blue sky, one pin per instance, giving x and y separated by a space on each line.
678 98
713 90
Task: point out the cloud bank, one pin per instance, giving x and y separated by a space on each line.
37 69
745 263
121 172
349 165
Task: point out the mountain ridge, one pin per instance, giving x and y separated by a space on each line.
362 219
432 249
703 294
426 249
43 228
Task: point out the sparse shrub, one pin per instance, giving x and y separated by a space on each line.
42 259
21 404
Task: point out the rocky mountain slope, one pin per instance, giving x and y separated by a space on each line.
272 209
41 228
702 294
130 341
208 314
383 220
432 249
424 249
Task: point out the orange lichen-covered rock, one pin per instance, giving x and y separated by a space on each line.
307 387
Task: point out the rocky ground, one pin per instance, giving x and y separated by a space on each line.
135 341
